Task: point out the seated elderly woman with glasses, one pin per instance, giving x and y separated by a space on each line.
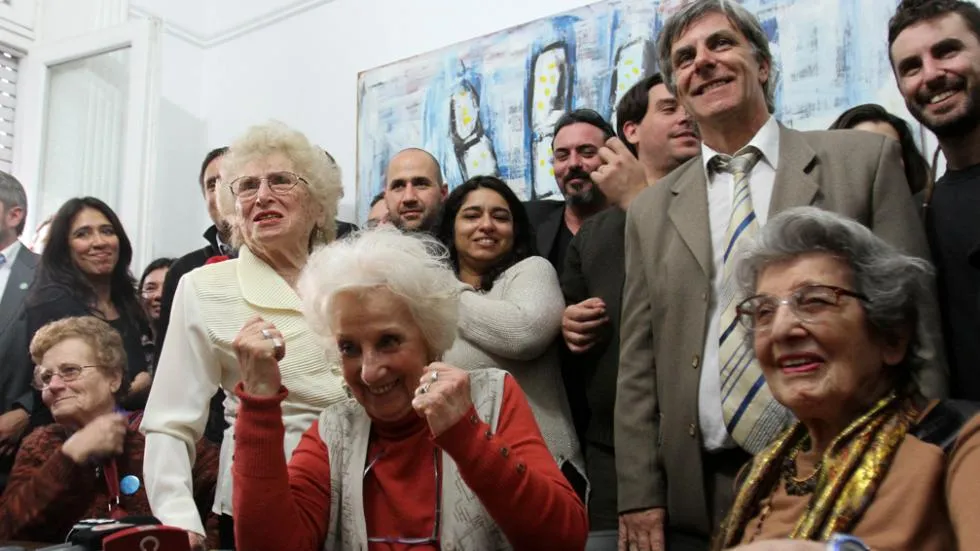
424 455
89 463
870 464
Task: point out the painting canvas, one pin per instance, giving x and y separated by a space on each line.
486 106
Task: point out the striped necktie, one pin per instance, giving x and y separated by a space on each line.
752 416
3 260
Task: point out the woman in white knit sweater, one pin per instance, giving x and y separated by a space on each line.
510 308
280 193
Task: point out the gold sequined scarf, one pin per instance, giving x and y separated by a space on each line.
853 467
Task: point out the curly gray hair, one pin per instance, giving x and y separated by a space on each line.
897 285
309 161
741 19
413 267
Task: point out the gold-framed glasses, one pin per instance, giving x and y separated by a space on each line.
810 303
67 372
246 187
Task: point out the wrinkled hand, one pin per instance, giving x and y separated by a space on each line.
141 382
258 357
581 322
782 545
621 177
642 530
12 427
102 437
442 401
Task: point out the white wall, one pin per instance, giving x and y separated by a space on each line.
177 209
303 70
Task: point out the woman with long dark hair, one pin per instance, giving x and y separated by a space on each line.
511 306
84 271
872 117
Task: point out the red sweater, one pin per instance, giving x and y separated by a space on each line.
279 507
48 492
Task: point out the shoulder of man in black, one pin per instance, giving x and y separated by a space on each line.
540 209
188 262
344 228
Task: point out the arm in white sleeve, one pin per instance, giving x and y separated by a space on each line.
523 322
177 410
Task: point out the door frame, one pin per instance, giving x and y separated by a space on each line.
142 37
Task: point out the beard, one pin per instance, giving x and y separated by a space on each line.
589 195
961 125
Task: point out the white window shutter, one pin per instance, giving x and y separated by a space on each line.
8 105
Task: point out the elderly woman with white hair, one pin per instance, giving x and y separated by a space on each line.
870 464
280 194
424 455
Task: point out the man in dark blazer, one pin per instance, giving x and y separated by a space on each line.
578 136
655 135
676 451
17 265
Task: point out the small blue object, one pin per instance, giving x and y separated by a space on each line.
129 484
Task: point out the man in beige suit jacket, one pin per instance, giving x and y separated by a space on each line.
675 458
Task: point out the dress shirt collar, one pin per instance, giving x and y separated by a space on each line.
766 140
10 253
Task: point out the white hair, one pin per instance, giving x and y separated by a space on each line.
310 162
413 267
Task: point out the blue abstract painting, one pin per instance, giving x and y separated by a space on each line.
487 106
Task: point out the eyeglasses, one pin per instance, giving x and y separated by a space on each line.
414 542
68 373
809 304
247 187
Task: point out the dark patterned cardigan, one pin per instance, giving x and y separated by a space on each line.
48 493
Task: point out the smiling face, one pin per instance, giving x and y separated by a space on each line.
483 231
820 368
269 219
665 136
152 292
382 348
78 402
94 243
576 157
717 74
937 66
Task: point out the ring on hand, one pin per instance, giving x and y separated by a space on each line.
424 388
266 334
277 345
434 376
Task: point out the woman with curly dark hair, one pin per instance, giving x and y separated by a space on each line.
510 307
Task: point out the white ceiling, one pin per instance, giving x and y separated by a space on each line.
210 22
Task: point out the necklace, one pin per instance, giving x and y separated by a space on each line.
796 486
766 509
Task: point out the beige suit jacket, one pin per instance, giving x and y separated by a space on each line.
665 302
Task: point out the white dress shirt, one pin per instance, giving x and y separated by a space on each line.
721 186
10 254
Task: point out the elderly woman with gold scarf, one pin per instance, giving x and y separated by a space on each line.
870 464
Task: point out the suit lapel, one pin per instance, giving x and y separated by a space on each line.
548 231
794 185
21 277
262 286
689 213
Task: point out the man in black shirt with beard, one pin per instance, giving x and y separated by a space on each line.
578 136
934 47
